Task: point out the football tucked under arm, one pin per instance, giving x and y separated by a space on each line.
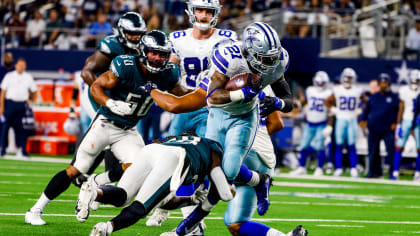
240 81
244 87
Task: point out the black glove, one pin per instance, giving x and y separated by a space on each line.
270 104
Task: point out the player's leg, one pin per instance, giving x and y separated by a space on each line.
417 136
318 145
93 142
307 136
156 186
351 141
389 139
402 135
340 132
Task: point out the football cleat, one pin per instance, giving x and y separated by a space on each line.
298 231
354 173
158 217
329 169
33 217
416 176
193 221
263 190
198 231
299 171
86 196
338 172
94 205
318 172
101 229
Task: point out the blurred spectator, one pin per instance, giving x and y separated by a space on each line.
109 11
35 29
18 87
53 28
7 65
380 117
98 30
412 45
15 30
255 6
72 11
345 8
153 21
90 9
58 7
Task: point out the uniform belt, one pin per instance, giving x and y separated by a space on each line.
119 125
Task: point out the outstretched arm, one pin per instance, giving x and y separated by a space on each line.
94 64
187 103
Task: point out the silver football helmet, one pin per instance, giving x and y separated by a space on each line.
321 79
203 4
262 46
414 78
131 23
348 77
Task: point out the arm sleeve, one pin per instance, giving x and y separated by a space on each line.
282 90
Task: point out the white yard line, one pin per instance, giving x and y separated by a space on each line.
256 219
343 226
38 158
349 179
312 185
342 204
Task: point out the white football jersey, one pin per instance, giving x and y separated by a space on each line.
408 96
262 143
227 59
347 101
193 54
84 95
315 110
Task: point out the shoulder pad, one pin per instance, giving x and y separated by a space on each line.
120 65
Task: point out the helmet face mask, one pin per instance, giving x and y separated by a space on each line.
262 46
156 50
204 22
131 27
321 80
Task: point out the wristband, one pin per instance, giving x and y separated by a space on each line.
236 96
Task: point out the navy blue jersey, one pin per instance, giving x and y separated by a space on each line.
198 152
131 78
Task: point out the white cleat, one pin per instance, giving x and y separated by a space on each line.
338 172
416 176
329 169
101 229
172 233
86 196
354 173
33 217
94 205
158 217
318 172
299 171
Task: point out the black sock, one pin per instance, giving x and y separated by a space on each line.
129 216
113 195
58 184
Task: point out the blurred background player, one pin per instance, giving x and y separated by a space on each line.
380 117
192 51
408 95
344 102
316 115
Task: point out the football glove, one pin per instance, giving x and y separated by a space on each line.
199 195
270 104
327 131
251 89
119 107
149 86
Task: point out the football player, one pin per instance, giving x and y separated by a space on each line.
192 51
408 95
131 27
344 103
316 115
124 104
155 176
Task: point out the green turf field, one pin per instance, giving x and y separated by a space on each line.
324 207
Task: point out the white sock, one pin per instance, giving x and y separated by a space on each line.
255 179
186 211
41 203
274 232
109 227
102 179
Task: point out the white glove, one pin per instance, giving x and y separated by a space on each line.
327 131
119 107
333 111
199 195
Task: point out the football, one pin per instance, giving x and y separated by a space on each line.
239 81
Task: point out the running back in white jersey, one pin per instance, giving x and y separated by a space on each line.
194 54
227 58
262 143
408 96
347 101
84 95
316 111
